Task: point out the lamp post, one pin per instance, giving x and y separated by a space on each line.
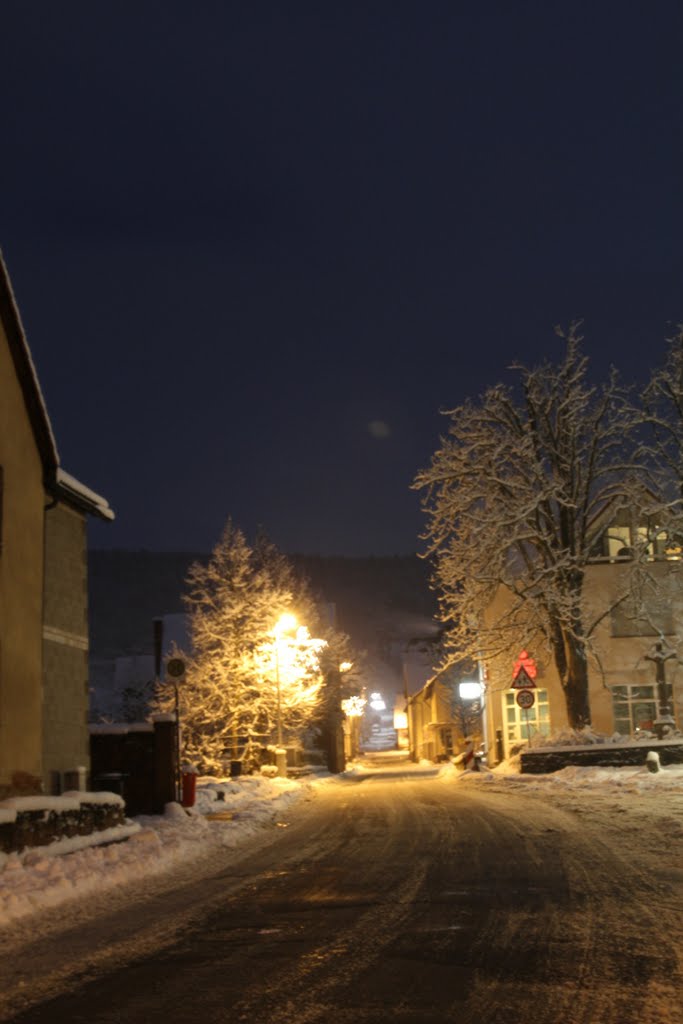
335 742
284 624
353 708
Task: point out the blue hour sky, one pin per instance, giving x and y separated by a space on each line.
258 246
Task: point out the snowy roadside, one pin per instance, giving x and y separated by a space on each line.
624 802
226 814
229 812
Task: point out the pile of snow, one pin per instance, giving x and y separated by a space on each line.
631 779
227 812
587 737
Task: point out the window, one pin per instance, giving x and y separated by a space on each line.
619 540
521 724
634 709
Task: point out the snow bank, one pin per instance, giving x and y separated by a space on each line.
626 779
227 812
587 738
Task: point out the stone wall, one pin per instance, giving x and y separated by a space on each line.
39 820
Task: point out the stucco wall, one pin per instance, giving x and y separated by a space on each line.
65 640
21 583
622 659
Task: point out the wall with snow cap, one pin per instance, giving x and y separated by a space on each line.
38 820
544 760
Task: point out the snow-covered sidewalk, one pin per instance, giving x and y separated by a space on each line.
229 812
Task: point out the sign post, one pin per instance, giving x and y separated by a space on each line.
175 670
526 700
524 681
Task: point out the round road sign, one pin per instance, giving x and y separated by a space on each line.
175 668
526 699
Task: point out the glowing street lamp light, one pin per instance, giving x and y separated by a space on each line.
469 690
353 706
342 669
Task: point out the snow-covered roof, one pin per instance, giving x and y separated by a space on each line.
77 493
60 484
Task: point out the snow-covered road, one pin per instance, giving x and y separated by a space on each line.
398 893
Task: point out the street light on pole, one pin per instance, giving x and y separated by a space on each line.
284 624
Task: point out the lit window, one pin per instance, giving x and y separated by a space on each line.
634 709
522 724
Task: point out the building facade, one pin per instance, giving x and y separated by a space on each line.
624 690
635 662
43 581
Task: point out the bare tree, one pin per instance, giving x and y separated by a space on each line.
663 449
513 497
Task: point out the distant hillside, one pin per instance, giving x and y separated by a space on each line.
127 589
378 600
375 597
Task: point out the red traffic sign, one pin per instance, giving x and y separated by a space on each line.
523 681
526 699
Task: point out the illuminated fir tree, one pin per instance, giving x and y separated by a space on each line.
228 699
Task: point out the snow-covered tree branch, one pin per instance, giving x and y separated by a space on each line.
514 498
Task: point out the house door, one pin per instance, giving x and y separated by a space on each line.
521 725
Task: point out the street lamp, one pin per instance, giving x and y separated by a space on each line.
284 625
353 708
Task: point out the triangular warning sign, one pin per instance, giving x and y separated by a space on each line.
523 681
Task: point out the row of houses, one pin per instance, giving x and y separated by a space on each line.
44 740
628 689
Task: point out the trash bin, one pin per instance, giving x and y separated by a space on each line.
189 784
110 782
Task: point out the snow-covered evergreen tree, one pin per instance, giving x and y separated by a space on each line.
513 496
288 680
228 699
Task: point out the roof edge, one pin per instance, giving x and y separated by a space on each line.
73 492
26 373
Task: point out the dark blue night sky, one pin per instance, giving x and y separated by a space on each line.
257 247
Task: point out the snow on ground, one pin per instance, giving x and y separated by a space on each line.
227 812
230 811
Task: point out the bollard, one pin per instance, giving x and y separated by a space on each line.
281 761
652 761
